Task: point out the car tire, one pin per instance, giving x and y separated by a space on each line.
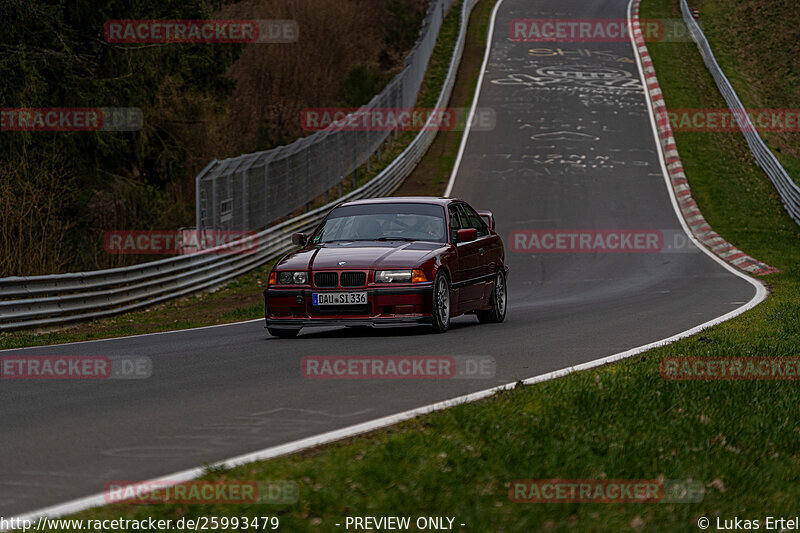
441 304
498 301
283 333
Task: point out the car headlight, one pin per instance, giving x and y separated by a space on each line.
292 278
400 276
392 276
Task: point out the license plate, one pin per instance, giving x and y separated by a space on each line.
339 298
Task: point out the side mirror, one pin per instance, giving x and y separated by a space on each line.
299 239
487 217
467 234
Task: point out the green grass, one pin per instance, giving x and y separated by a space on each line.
430 177
621 421
757 43
244 313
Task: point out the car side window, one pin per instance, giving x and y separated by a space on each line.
473 220
455 218
455 221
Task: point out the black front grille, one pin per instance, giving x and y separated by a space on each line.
326 279
353 279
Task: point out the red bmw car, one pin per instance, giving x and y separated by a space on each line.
387 262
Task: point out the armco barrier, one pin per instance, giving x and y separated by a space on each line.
787 188
42 301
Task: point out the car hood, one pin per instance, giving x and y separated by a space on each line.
360 255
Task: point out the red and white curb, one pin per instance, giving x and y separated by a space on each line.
688 207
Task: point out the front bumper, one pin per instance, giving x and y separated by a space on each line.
385 322
386 306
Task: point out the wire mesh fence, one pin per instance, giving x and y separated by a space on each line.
256 190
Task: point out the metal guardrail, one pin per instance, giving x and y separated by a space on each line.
42 301
258 189
787 188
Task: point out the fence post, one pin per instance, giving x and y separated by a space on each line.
245 199
266 193
308 180
214 203
369 152
286 209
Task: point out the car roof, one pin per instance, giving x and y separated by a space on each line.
404 200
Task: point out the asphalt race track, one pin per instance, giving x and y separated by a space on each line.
572 149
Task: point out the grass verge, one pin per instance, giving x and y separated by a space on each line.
621 421
430 177
757 44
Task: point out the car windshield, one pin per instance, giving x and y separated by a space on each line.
383 222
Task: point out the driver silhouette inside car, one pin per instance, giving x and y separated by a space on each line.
428 229
366 228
